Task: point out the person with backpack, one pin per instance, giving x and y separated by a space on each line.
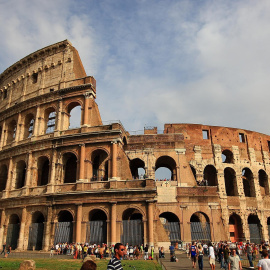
193 254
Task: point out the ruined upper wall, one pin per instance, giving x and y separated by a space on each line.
52 68
207 136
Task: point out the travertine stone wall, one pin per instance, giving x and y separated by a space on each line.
94 168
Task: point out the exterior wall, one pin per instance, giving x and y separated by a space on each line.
102 155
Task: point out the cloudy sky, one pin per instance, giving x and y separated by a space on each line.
157 61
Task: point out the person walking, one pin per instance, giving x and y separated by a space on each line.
226 253
4 249
200 256
146 252
249 251
115 261
264 263
234 261
212 257
193 254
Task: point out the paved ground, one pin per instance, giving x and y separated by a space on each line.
183 263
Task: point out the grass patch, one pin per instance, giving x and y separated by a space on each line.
54 264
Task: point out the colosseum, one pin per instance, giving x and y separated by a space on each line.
63 184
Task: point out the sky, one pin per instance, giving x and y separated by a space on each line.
156 61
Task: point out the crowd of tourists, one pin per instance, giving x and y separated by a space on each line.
80 251
229 255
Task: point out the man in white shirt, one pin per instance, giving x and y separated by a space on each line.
234 260
264 264
212 257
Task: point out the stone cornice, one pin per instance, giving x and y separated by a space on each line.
35 56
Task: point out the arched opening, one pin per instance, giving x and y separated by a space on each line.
50 117
167 164
74 112
3 177
235 228
255 229
210 176
263 181
268 225
230 182
125 141
70 168
136 165
43 171
227 156
96 231
12 128
193 172
13 231
100 165
36 230
20 174
171 225
132 230
248 183
64 228
200 227
28 126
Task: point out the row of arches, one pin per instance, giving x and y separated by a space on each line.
68 170
132 229
137 167
27 126
230 178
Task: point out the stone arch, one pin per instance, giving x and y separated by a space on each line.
268 226
50 119
210 175
263 182
3 177
20 174
135 164
132 227
125 140
230 182
255 229
36 230
227 156
11 131
28 125
69 114
132 206
171 224
96 231
169 163
235 228
64 227
70 167
200 227
13 231
61 213
103 209
43 165
100 166
193 171
248 183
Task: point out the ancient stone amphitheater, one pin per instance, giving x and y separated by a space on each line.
62 184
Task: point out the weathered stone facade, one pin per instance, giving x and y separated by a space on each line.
82 185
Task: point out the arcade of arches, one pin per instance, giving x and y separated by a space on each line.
67 175
106 226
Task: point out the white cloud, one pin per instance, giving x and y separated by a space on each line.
157 62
